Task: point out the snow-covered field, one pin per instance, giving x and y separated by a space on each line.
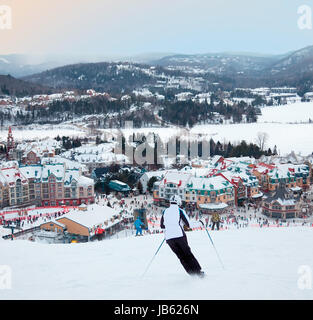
42 132
287 137
261 263
291 113
287 127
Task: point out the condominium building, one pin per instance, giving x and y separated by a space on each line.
47 185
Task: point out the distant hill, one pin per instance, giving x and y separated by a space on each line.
103 76
292 69
21 65
16 87
228 64
229 70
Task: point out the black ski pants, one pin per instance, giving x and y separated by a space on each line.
183 252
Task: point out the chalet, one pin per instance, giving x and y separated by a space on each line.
85 223
282 204
54 226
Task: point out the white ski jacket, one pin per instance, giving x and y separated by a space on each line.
173 219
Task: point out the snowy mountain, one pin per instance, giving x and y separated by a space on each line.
292 68
102 76
260 263
300 60
228 69
219 63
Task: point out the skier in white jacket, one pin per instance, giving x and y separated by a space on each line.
173 221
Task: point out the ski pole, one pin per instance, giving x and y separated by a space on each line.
213 244
153 257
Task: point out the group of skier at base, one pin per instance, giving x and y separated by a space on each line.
175 221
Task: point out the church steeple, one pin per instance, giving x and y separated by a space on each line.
10 145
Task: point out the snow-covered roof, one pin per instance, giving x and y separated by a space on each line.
258 195
12 175
85 182
102 153
158 173
213 206
32 171
93 216
178 178
212 183
56 169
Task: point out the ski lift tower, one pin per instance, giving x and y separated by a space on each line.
11 226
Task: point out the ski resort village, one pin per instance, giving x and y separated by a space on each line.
186 178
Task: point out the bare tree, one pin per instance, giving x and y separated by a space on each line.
261 140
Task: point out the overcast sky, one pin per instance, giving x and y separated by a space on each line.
130 27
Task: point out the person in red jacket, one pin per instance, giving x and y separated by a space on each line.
99 233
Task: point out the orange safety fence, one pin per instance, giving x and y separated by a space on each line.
255 225
65 209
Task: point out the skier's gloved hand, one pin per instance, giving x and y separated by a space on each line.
187 228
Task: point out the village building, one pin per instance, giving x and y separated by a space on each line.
16 186
215 189
173 183
246 185
270 176
119 186
46 185
84 223
282 204
32 152
146 176
94 157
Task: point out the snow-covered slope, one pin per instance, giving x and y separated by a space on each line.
291 113
260 264
287 137
287 127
